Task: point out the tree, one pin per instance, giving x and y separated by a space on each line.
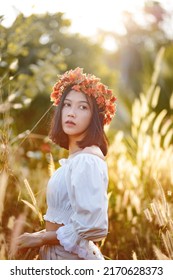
34 50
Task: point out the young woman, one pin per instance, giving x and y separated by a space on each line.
76 216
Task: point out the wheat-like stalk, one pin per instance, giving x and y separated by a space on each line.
134 256
3 187
158 253
135 161
17 230
161 212
51 165
32 206
167 240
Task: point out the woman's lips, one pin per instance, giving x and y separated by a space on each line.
70 123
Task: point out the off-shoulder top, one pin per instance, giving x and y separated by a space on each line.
77 198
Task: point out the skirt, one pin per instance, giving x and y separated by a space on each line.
56 252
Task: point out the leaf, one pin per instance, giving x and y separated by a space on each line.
34 209
30 192
30 206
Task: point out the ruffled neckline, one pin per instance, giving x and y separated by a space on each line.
63 161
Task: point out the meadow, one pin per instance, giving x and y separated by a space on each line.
140 180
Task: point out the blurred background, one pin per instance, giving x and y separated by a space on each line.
129 45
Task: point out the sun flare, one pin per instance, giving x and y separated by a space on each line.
88 17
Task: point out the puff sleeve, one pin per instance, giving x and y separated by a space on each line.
87 182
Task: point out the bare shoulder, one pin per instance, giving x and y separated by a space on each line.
95 150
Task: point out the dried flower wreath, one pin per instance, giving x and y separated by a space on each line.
88 84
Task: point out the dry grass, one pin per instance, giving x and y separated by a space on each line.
140 169
140 187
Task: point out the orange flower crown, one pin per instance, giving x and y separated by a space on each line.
88 84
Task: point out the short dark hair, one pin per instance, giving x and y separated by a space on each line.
95 134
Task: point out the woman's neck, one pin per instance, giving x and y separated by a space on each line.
73 147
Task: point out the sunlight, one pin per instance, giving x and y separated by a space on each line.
105 15
88 17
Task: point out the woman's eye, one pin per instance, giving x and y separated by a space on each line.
83 107
66 104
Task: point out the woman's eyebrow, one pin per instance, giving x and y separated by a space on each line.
80 101
83 101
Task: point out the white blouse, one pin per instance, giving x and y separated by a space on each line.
77 198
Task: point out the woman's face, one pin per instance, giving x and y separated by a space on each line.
76 114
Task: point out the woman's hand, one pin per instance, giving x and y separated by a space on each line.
26 241
33 240
30 240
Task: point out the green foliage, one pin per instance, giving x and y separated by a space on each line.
34 50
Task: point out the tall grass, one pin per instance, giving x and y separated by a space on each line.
140 187
135 161
20 204
160 213
3 187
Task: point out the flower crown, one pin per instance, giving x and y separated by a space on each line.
88 84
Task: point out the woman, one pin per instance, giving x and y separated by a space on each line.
77 217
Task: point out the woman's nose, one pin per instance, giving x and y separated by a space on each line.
71 113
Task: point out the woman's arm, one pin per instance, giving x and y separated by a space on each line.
36 239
